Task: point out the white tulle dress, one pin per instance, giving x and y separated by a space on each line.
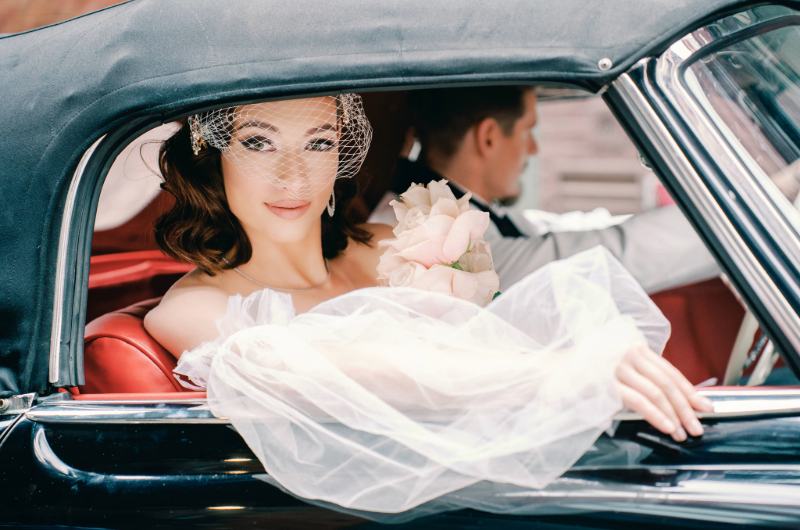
387 398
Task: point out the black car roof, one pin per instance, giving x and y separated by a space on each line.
63 86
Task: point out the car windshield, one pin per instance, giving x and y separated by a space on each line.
750 90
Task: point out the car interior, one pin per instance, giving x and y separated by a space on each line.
129 274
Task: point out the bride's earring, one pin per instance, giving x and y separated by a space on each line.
332 204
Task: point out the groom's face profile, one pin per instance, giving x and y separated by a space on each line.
506 155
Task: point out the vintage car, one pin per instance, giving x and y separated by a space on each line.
96 432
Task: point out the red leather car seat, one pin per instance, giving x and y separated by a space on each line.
119 280
121 357
705 319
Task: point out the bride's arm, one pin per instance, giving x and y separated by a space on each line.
648 384
186 317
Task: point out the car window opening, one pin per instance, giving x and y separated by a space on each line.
585 176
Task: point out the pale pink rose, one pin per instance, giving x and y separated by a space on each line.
416 195
404 275
477 287
439 246
419 195
445 206
440 190
478 259
437 279
398 243
468 227
400 210
442 239
463 203
389 262
410 218
418 201
426 242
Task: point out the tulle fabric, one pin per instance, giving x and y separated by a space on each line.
387 398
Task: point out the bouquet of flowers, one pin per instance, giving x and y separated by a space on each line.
439 246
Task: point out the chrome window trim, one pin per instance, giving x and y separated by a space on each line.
731 404
61 264
667 147
751 182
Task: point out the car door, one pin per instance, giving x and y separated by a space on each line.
104 463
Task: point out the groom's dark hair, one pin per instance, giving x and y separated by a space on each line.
441 117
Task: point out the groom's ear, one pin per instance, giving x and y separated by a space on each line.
486 132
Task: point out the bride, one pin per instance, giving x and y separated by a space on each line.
382 399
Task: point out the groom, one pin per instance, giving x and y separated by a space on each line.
479 139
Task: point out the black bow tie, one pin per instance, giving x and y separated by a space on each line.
504 224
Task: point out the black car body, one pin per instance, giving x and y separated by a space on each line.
75 94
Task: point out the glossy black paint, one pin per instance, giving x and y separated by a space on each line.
168 475
5 423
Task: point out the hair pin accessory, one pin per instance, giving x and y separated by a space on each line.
198 142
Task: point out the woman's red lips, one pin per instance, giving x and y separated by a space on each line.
289 210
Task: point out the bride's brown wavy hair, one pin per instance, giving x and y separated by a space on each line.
200 228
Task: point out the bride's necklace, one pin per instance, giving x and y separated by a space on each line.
328 277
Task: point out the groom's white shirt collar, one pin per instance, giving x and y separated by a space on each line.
475 197
496 207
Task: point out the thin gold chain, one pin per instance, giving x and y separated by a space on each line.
328 277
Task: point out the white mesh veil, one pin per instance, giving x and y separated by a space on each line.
299 146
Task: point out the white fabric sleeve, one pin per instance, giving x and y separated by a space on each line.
659 248
384 399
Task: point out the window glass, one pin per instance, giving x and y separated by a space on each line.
586 174
751 90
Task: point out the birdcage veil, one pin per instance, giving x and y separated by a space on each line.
299 146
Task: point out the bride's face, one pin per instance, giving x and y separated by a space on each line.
281 166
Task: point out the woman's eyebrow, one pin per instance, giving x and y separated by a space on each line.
321 128
259 124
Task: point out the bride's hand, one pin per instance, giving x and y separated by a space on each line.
654 388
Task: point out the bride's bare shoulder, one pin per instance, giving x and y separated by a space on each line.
187 314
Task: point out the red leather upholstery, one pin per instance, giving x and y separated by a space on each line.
705 317
119 280
135 234
172 396
121 357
